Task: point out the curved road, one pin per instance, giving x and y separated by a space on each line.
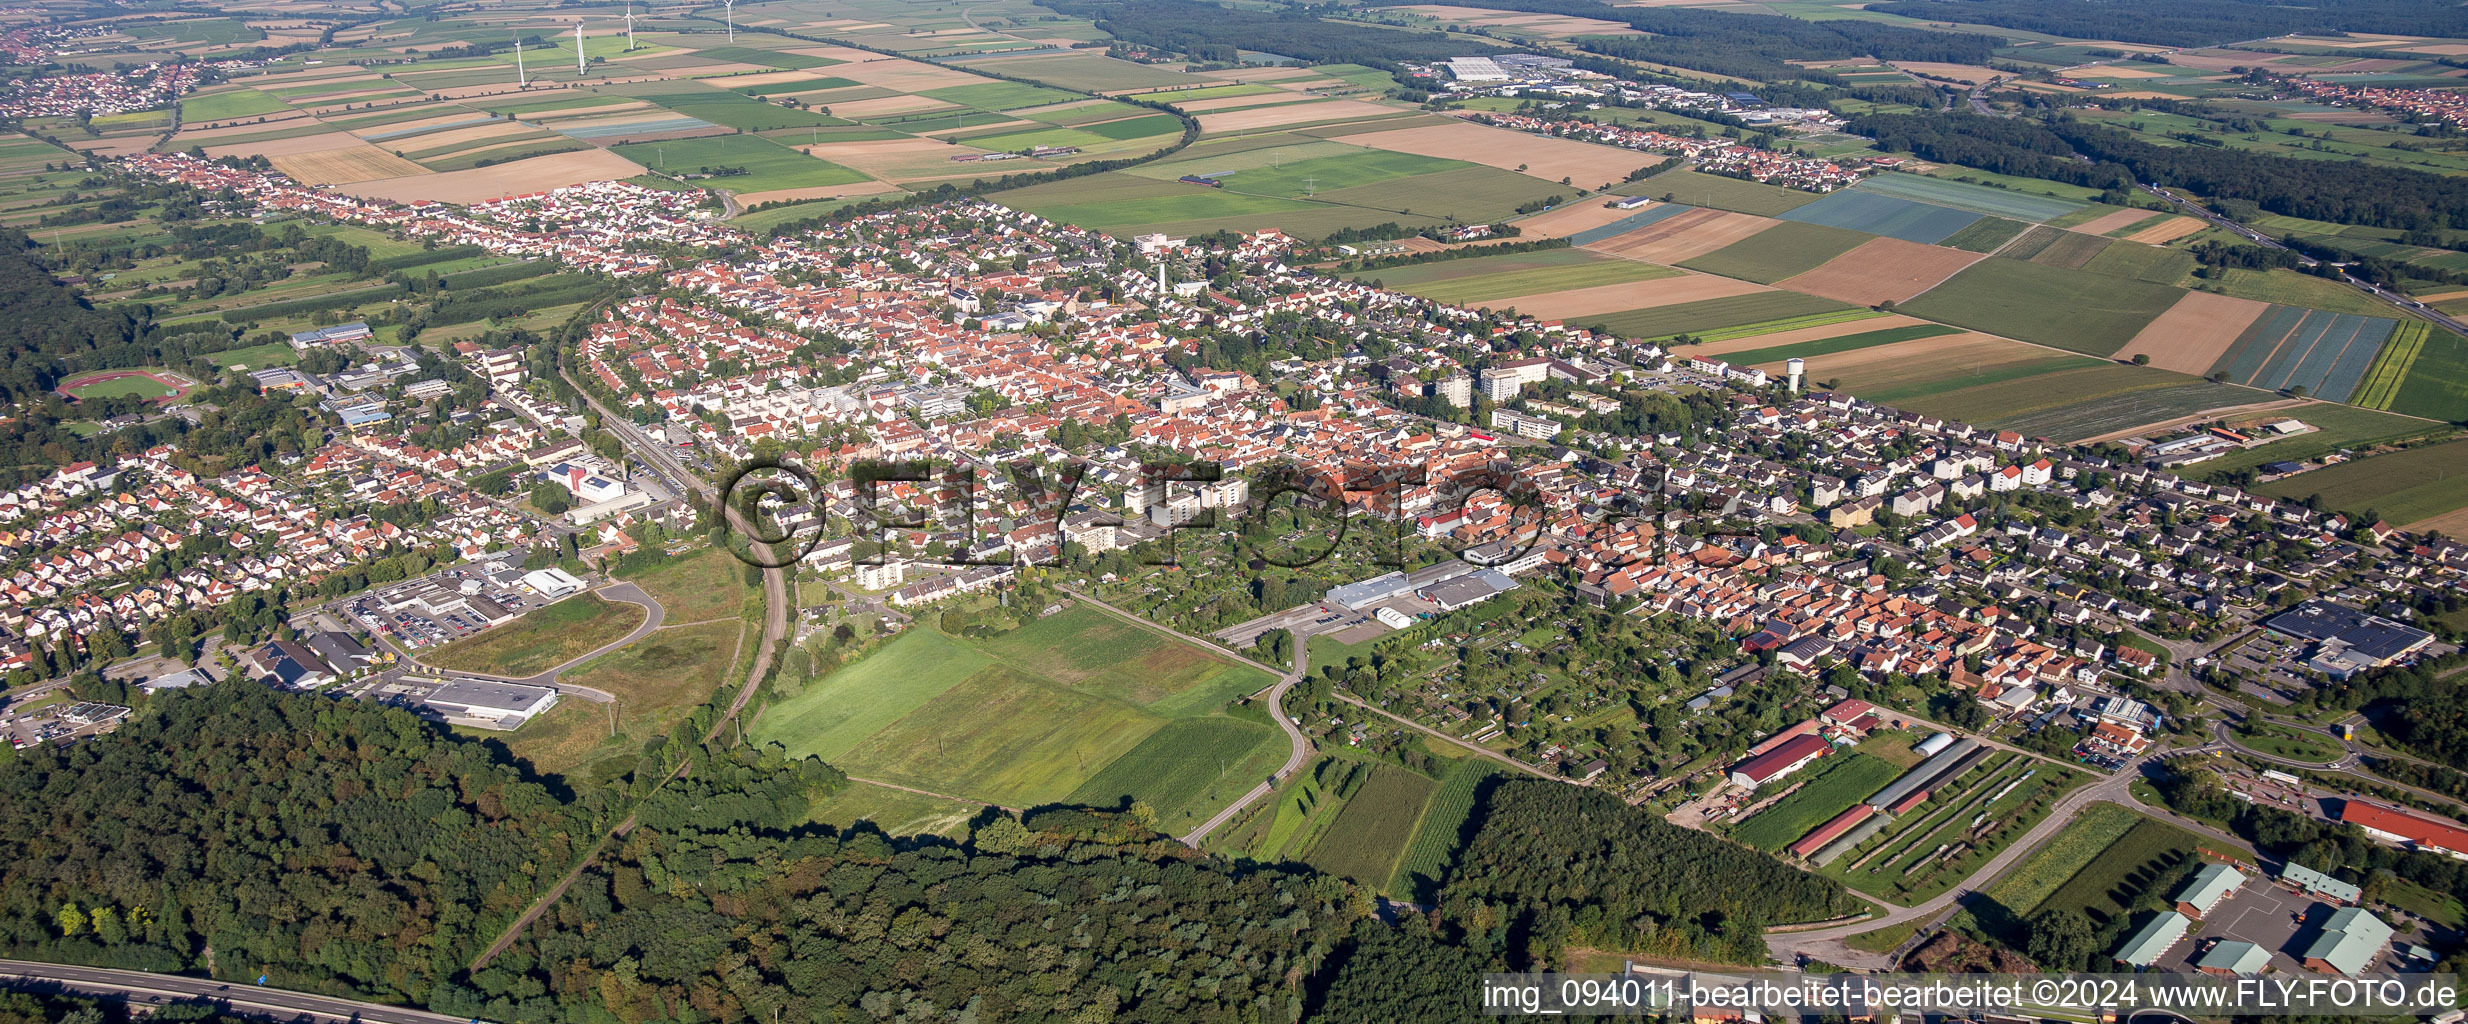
1300 745
141 988
624 593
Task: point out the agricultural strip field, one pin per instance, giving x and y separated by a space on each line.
1750 339
1091 72
2146 860
2399 355
1881 270
1721 193
1411 277
2325 353
1662 290
1841 343
1850 779
1980 199
1688 317
1601 270
2437 382
1583 221
2072 849
1986 234
2015 299
1585 165
1187 769
1681 237
1445 826
1375 826
2089 401
1961 825
1781 250
1884 215
2055 247
2193 334
2402 487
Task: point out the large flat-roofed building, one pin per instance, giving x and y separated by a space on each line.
1354 597
1472 588
489 704
2400 827
2365 638
552 582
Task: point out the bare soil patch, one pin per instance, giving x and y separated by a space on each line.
481 184
1583 163
2167 231
363 162
1582 215
1682 237
2195 332
1882 269
288 147
2107 222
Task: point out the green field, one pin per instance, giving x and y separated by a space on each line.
1442 830
1373 828
234 103
2401 487
707 584
896 812
1847 781
2067 400
1000 95
1091 72
121 387
2335 427
1981 199
1038 715
2391 365
1708 314
1984 235
1780 251
2436 386
2289 742
731 110
2016 300
1695 189
768 165
542 640
2143 861
767 58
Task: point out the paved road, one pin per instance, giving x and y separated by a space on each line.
1299 745
141 989
2405 304
1827 943
623 593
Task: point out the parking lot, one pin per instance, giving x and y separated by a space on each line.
447 606
2261 913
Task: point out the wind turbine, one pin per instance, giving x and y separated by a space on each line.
521 80
629 28
729 8
580 60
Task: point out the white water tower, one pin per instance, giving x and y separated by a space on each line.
1797 368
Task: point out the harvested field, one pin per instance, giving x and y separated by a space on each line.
1685 236
461 136
1225 103
485 183
1761 306
2167 231
1967 74
1783 249
1299 113
898 159
346 164
881 105
317 143
2449 524
902 75
1882 269
1906 367
1576 217
2193 334
1753 342
798 195
1583 163
2108 222
1612 298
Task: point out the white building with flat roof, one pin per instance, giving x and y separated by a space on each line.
488 704
552 583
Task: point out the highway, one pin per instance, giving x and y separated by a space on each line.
142 989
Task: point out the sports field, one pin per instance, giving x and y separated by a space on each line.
1781 250
2015 299
2325 353
121 384
1036 716
1880 214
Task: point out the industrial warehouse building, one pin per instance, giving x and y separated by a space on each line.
489 704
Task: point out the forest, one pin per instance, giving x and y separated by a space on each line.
2191 22
357 850
1751 45
1208 32
2347 192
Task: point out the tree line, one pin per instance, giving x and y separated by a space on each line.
2191 22
1750 45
